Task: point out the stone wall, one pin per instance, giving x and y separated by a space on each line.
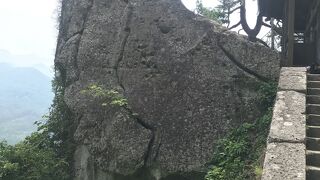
285 157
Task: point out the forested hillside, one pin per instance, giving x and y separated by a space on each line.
25 97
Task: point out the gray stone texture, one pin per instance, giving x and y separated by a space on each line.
83 163
187 79
289 119
285 161
285 156
293 78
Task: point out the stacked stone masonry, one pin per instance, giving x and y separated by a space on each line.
285 157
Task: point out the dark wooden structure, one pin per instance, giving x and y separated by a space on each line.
300 29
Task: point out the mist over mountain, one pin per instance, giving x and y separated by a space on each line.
25 96
28 60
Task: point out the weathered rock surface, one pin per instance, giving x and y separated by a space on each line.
289 119
187 81
285 161
293 79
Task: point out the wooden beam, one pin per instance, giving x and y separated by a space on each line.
313 15
291 18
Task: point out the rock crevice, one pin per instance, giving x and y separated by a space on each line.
243 67
150 150
126 33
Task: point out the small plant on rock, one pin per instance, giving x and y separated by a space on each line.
110 97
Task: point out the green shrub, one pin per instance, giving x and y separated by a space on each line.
238 156
47 153
211 13
110 97
34 159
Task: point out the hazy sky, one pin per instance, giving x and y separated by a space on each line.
251 5
28 27
191 4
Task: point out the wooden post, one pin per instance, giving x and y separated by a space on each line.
291 18
272 33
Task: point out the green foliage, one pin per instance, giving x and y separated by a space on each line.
258 171
110 97
237 157
47 153
34 159
210 13
59 126
268 93
221 13
225 8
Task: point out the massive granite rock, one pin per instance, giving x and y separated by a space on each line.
186 79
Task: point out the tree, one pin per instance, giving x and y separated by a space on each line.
226 8
211 13
47 153
34 159
231 6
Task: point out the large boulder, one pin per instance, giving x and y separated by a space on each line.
186 79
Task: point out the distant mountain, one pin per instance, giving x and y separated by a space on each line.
25 96
41 64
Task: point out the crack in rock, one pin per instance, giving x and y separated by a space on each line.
154 143
66 42
126 30
151 152
77 43
85 19
241 66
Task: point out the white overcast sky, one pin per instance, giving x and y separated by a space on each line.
251 6
28 27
